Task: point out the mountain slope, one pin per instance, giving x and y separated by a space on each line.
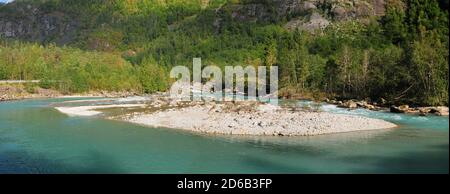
65 22
391 49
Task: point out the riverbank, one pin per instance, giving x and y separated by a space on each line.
384 106
253 118
9 92
374 105
19 92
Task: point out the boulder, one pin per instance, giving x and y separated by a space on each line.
339 13
362 104
423 111
399 109
395 109
404 107
308 6
371 107
440 110
348 104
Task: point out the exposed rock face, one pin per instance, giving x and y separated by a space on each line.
30 23
338 9
313 23
263 11
379 7
343 10
309 15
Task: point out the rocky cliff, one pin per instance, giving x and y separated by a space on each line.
303 14
28 21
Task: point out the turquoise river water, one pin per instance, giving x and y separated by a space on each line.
36 138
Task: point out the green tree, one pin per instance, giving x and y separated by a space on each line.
394 23
430 68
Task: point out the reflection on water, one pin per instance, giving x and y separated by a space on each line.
35 138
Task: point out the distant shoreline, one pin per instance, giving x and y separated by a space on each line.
13 92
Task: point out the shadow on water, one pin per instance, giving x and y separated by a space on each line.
264 165
435 160
291 149
305 145
25 163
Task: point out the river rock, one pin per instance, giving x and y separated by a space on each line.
348 104
263 119
399 109
440 110
371 107
395 109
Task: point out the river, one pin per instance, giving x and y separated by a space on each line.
36 138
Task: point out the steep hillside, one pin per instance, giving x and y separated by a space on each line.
64 22
381 49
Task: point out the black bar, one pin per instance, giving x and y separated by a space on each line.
169 183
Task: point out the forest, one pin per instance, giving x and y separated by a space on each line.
131 45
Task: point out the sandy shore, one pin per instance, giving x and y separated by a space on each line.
255 119
92 110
